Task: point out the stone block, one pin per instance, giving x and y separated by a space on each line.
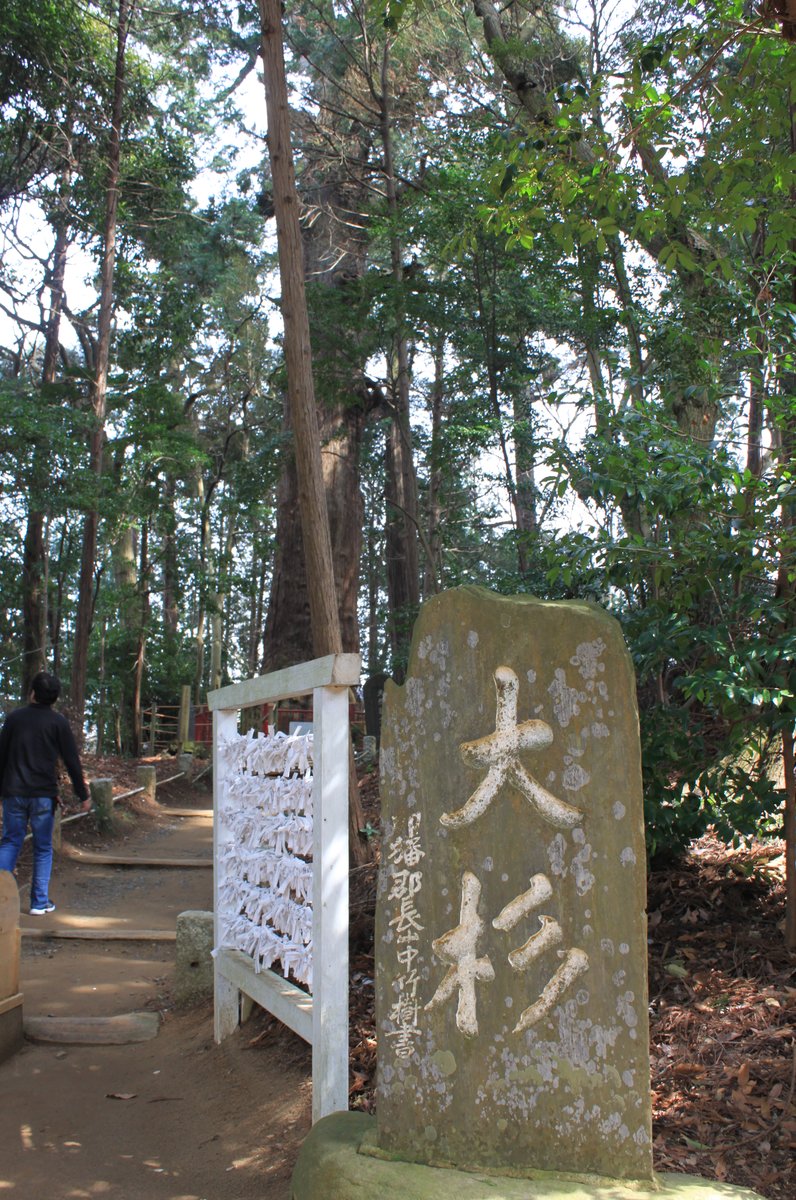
194 966
511 990
146 777
9 936
102 800
185 763
369 749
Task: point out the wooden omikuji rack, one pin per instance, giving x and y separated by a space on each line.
321 1018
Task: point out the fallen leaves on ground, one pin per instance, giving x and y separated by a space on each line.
723 1024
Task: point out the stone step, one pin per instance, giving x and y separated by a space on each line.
205 813
131 860
93 1031
101 935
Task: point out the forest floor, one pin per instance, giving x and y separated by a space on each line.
179 1118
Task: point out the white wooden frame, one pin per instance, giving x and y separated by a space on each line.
322 1018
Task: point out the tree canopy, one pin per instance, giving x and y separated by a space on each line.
550 264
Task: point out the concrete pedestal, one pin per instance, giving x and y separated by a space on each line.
194 975
11 1030
338 1159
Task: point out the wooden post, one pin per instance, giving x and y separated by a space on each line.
226 995
146 777
330 902
183 724
153 729
57 838
102 800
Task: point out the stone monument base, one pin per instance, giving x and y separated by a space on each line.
11 1030
338 1160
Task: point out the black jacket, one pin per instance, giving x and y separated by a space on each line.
31 742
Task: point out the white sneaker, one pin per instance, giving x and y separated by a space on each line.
41 912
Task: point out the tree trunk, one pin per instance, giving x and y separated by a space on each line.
588 270
334 260
101 716
433 572
289 636
298 354
140 657
34 599
169 554
56 610
85 607
205 497
326 633
218 602
126 636
258 586
34 595
403 569
525 459
374 574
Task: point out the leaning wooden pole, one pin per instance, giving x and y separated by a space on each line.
298 354
324 616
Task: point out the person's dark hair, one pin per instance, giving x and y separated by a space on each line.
46 688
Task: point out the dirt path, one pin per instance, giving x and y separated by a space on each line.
197 1121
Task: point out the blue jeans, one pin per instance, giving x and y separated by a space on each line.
40 812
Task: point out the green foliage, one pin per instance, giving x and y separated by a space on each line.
595 276
42 437
694 587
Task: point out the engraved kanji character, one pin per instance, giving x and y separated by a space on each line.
458 947
407 849
544 939
404 1011
409 983
575 961
407 922
404 1041
407 953
499 752
405 883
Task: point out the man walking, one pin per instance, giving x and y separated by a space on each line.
32 740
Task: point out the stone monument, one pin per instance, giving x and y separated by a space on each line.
10 995
511 928
511 948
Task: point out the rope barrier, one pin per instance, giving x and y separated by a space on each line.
121 796
127 795
66 820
